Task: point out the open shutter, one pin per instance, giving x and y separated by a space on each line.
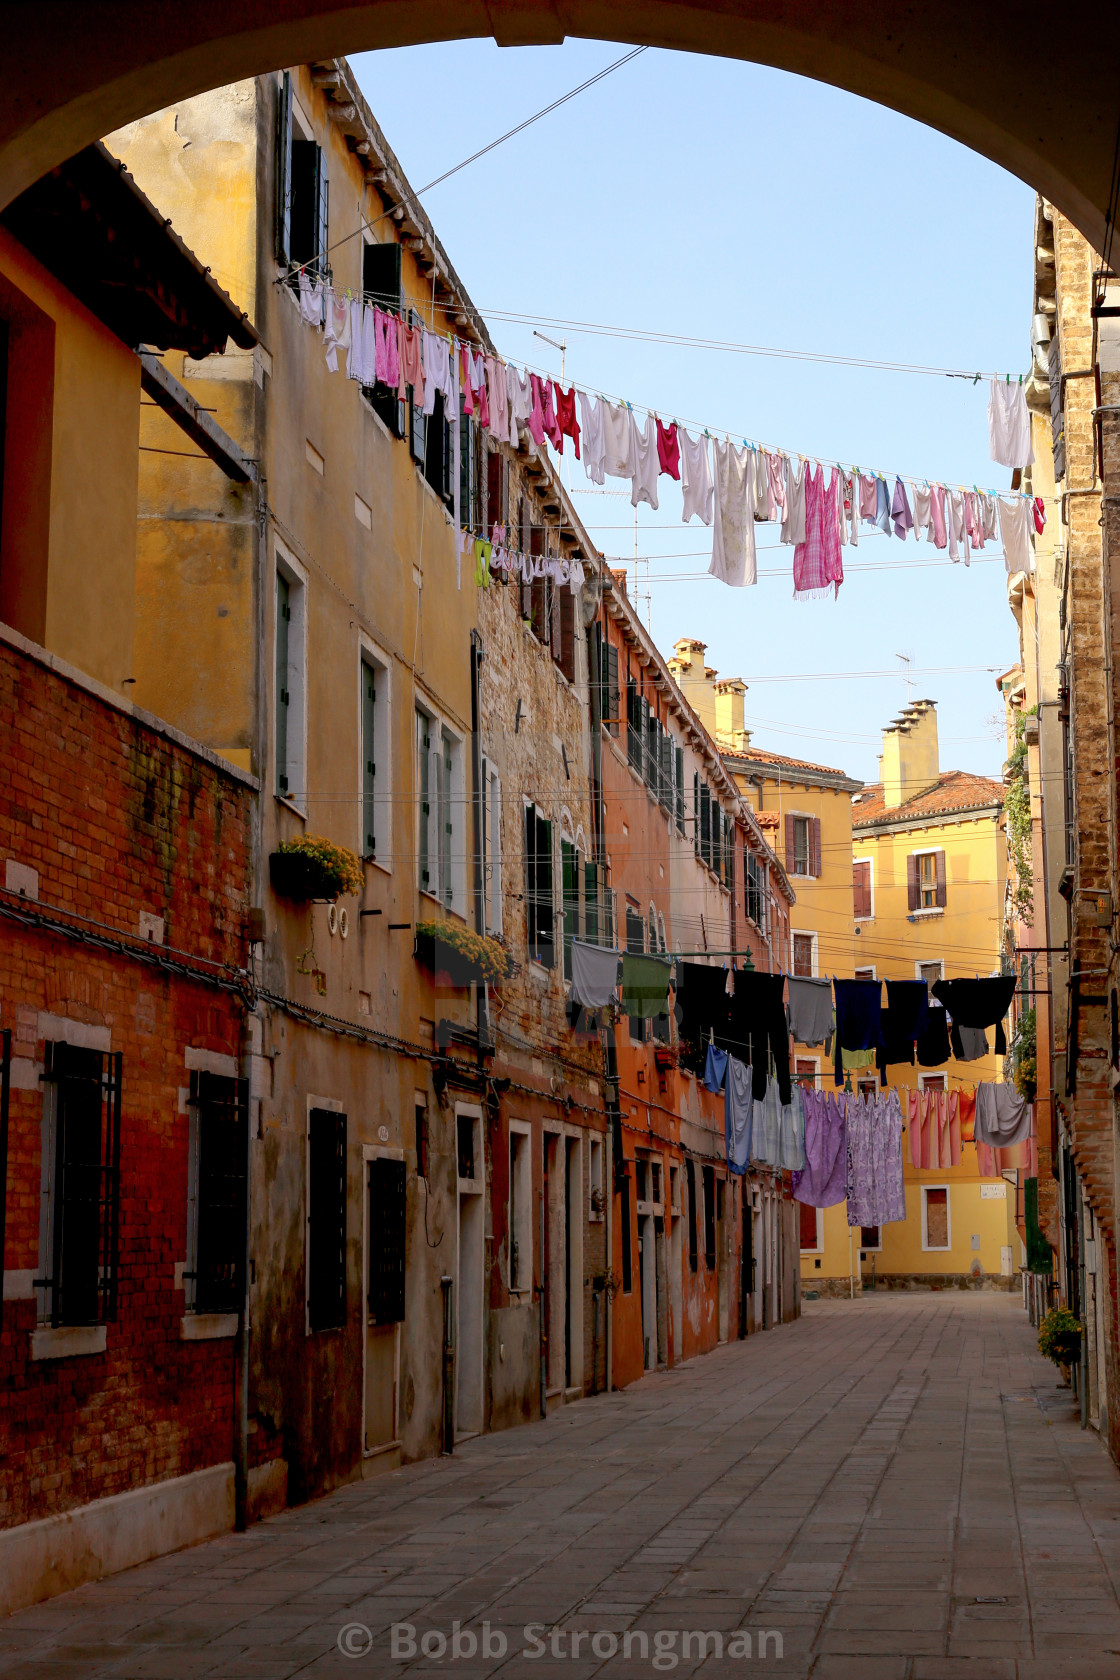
566 603
913 889
283 698
386 1241
545 919
861 888
284 172
86 1200
1057 414
322 213
492 820
446 823
612 700
326 1219
531 881
222 1109
569 863
591 903
939 899
679 790
814 846
369 762
649 759
716 821
633 726
696 812
705 823
791 845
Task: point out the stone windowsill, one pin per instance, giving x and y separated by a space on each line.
67 1341
207 1327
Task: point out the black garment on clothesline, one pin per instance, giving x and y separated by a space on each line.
757 1029
859 1019
979 1003
933 1041
701 1008
903 1019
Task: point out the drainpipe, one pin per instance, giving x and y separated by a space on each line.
1083 1370
446 1285
482 1020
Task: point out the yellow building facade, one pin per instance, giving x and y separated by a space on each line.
928 873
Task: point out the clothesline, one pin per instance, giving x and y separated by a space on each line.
729 492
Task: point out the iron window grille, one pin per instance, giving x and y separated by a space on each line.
83 1202
220 1150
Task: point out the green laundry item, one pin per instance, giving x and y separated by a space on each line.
1040 1256
856 1060
645 985
482 552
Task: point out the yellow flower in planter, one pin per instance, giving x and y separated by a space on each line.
457 949
311 867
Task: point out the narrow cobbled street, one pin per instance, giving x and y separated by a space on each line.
895 1488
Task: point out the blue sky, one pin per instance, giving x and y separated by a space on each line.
729 201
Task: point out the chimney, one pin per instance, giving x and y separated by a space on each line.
695 679
909 765
730 731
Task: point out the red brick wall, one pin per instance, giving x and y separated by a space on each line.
116 819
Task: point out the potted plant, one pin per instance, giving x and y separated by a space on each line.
1059 1339
311 867
464 956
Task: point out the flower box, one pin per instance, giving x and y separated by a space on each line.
310 868
465 957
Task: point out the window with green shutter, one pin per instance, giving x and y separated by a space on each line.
444 819
381 285
591 903
369 759
570 870
539 915
423 782
283 678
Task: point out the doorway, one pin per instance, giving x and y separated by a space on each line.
383 1300
471 1274
723 1245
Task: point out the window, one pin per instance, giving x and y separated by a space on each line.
468 1145
595 1178
302 192
291 659
385 1292
607 680
930 972
421 1139
804 955
439 759
591 904
570 867
470 450
539 914
326 1219
709 1218
932 1081
520 1211
925 881
756 890
678 788
81 1185
690 1184
861 888
870 1237
803 845
492 846
865 973
935 1216
627 1237
810 1228
807 1072
636 942
217 1182
497 490
381 284
634 745
376 816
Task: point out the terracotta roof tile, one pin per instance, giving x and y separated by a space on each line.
955 790
757 755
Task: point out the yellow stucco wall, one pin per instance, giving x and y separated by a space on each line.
73 412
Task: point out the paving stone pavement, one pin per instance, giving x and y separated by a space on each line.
895 1487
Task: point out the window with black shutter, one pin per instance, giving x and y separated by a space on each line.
678 787
570 871
308 220
369 759
636 942
706 823
83 1200
634 744
283 678
284 172
538 888
624 1216
710 1218
607 674
690 1184
220 1150
649 741
326 1219
566 613
381 284
385 1295
417 432
591 903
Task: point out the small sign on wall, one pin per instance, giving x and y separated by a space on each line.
993 1192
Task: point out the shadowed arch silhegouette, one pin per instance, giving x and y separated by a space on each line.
1041 100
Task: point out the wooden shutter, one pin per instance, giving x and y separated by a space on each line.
386 1241
690 1181
222 1118
679 790
326 1219
861 887
424 765
284 172
814 846
531 880
569 868
709 1218
791 845
283 697
913 884
808 1221
445 818
86 1189
706 823
716 824
545 918
1057 407
939 896
649 755
696 812
322 213
591 902
497 486
611 684
633 726
369 762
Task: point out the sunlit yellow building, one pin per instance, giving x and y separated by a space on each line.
928 872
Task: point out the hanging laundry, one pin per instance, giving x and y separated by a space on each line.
566 417
968 1043
859 1007
594 440
482 551
957 530
734 559
874 1128
791 1143
696 478
668 450
701 1006
499 401
643 453
386 352
868 497
549 420
776 476
715 1068
535 425
1015 531
757 1028
618 454
311 298
990 508
520 389
738 1112
973 519
1038 509
410 362
923 512
908 1002
810 1009
857 1061
849 509
1009 425
979 1003
355 357
933 1040
766 1143
937 516
882 515
900 511
817 563
822 1182
594 974
645 985
794 519
955 1140
336 327
1003 1117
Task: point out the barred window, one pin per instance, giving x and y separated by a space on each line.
81 1189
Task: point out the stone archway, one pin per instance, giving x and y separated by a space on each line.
1038 95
